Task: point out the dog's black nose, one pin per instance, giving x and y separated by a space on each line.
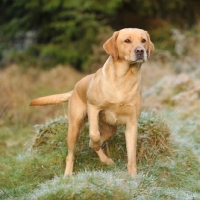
139 50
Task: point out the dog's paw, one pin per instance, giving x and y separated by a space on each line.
109 161
132 170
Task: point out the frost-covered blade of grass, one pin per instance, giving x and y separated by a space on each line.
95 185
107 185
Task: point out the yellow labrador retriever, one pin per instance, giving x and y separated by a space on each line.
110 97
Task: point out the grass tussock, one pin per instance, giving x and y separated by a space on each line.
153 141
153 137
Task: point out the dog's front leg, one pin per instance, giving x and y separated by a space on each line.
93 117
131 142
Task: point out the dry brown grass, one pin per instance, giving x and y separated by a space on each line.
18 88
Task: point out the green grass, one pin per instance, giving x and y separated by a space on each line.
167 168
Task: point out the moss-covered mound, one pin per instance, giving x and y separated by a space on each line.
153 141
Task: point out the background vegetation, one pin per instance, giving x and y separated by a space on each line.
64 32
38 34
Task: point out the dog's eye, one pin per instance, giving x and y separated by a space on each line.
127 41
143 41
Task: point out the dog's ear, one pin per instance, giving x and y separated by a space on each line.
110 46
150 45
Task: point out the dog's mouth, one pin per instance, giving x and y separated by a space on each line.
140 56
139 60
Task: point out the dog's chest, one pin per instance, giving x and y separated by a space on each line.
117 114
111 118
118 107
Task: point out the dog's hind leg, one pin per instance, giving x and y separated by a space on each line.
106 132
72 137
76 119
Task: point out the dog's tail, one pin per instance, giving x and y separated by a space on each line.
52 99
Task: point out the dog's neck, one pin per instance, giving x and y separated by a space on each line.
120 68
121 76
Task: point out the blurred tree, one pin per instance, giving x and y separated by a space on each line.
177 12
63 31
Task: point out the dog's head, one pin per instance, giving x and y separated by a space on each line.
130 44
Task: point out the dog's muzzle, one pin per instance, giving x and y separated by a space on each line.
139 52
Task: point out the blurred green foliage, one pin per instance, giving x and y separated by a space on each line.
64 31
